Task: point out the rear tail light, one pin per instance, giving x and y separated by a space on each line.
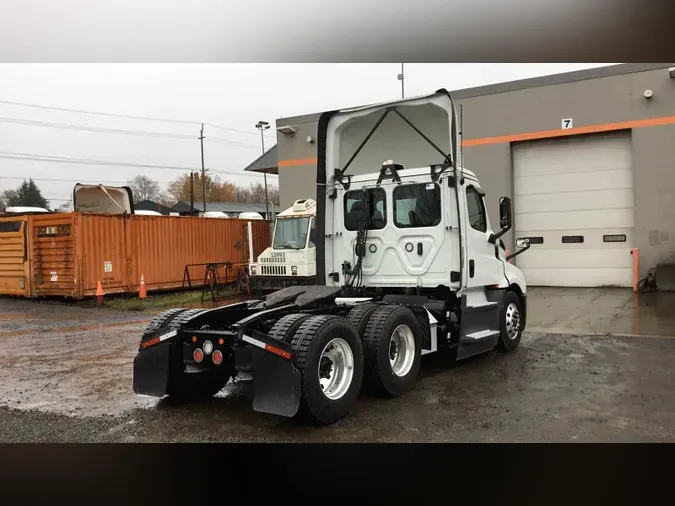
150 342
198 355
217 357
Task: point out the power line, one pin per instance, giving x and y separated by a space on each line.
95 129
144 133
12 155
235 130
231 143
114 115
60 180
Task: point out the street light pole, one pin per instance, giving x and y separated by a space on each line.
401 77
262 126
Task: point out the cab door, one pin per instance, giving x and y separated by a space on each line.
419 222
406 235
484 267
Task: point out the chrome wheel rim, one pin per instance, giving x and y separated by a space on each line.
336 368
401 350
512 321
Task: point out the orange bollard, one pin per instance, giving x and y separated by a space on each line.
636 269
142 293
99 294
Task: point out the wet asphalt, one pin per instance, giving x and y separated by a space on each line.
65 376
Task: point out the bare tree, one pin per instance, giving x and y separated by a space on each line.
273 193
6 198
144 188
67 207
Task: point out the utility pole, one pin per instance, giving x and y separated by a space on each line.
201 140
262 126
401 77
192 191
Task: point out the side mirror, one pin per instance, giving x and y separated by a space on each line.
522 245
504 219
505 213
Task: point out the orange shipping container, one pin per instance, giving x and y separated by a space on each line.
66 255
14 256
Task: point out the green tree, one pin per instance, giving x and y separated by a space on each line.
27 194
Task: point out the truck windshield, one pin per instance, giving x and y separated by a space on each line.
290 233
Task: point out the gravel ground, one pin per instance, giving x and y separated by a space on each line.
65 382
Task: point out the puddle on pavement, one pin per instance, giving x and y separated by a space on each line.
602 311
647 314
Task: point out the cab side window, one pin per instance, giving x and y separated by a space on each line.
312 234
369 205
476 209
417 205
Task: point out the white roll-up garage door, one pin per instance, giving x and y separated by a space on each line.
573 197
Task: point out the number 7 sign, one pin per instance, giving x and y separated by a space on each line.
566 123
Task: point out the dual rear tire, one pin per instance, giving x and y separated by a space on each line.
374 344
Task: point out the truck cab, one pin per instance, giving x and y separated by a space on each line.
411 240
291 260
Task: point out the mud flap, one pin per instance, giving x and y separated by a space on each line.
276 381
151 370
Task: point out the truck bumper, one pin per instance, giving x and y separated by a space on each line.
279 282
277 382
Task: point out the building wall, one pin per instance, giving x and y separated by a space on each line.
297 165
493 121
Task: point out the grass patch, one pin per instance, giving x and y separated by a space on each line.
154 301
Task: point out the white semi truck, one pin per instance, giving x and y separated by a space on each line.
291 260
408 263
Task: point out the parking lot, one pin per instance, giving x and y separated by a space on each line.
594 365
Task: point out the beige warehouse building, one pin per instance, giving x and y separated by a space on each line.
588 158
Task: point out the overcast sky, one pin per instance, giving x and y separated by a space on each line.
235 96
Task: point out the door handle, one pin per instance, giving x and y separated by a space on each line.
420 248
471 268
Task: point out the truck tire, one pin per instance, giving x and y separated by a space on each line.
162 320
284 329
179 320
510 322
359 316
329 356
392 351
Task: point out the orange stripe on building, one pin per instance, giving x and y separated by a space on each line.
546 134
529 136
297 161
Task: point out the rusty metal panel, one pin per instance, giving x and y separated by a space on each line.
160 247
52 254
14 270
53 257
101 241
72 252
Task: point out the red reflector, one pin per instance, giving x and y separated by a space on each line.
150 342
277 351
198 355
217 357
